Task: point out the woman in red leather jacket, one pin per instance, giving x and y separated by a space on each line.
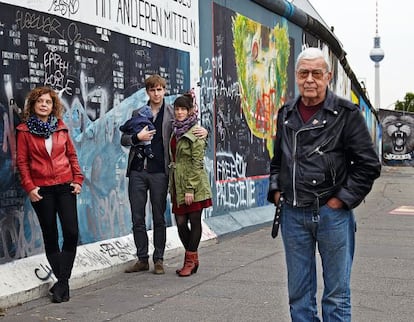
51 176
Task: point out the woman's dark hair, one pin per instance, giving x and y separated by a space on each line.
34 95
186 100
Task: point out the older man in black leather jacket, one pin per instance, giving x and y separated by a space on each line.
324 165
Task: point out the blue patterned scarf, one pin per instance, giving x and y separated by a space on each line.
40 128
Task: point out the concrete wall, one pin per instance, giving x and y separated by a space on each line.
96 54
237 56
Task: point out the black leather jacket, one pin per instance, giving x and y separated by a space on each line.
332 155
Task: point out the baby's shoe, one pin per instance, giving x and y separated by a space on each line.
148 152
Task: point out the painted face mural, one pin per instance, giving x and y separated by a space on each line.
262 56
398 138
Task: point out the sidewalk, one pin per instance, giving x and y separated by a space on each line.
242 276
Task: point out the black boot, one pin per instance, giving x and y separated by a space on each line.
54 261
61 291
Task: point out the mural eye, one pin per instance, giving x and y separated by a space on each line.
255 50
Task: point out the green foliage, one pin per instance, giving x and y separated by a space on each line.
407 104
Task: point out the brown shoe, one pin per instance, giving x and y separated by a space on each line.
159 267
138 267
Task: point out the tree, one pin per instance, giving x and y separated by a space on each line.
407 105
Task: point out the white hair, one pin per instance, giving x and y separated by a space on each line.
312 53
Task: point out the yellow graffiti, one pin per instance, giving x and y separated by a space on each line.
262 56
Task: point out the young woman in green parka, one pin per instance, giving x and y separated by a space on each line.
189 185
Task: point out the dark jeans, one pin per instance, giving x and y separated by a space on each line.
59 200
157 184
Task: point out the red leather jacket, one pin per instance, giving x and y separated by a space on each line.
37 168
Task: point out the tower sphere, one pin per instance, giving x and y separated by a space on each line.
376 54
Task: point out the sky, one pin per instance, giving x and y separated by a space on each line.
354 23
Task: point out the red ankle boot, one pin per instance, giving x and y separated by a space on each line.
190 265
177 271
180 269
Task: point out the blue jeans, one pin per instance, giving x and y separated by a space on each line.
140 182
333 231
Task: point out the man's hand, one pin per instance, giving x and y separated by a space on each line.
200 132
276 197
145 134
335 203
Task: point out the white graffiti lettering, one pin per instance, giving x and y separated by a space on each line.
234 195
230 167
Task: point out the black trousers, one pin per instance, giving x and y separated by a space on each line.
58 201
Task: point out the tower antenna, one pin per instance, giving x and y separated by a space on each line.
377 54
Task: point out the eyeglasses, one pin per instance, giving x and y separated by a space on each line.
316 73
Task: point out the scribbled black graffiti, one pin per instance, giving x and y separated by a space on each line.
122 251
90 258
45 24
52 27
65 7
43 272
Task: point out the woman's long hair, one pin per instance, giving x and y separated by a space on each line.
33 96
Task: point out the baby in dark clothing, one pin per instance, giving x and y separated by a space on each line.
135 124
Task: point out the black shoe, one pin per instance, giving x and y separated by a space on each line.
140 152
61 292
52 289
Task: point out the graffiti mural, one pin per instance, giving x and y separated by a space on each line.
244 82
261 56
99 75
397 138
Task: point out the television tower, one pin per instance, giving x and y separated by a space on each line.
377 54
